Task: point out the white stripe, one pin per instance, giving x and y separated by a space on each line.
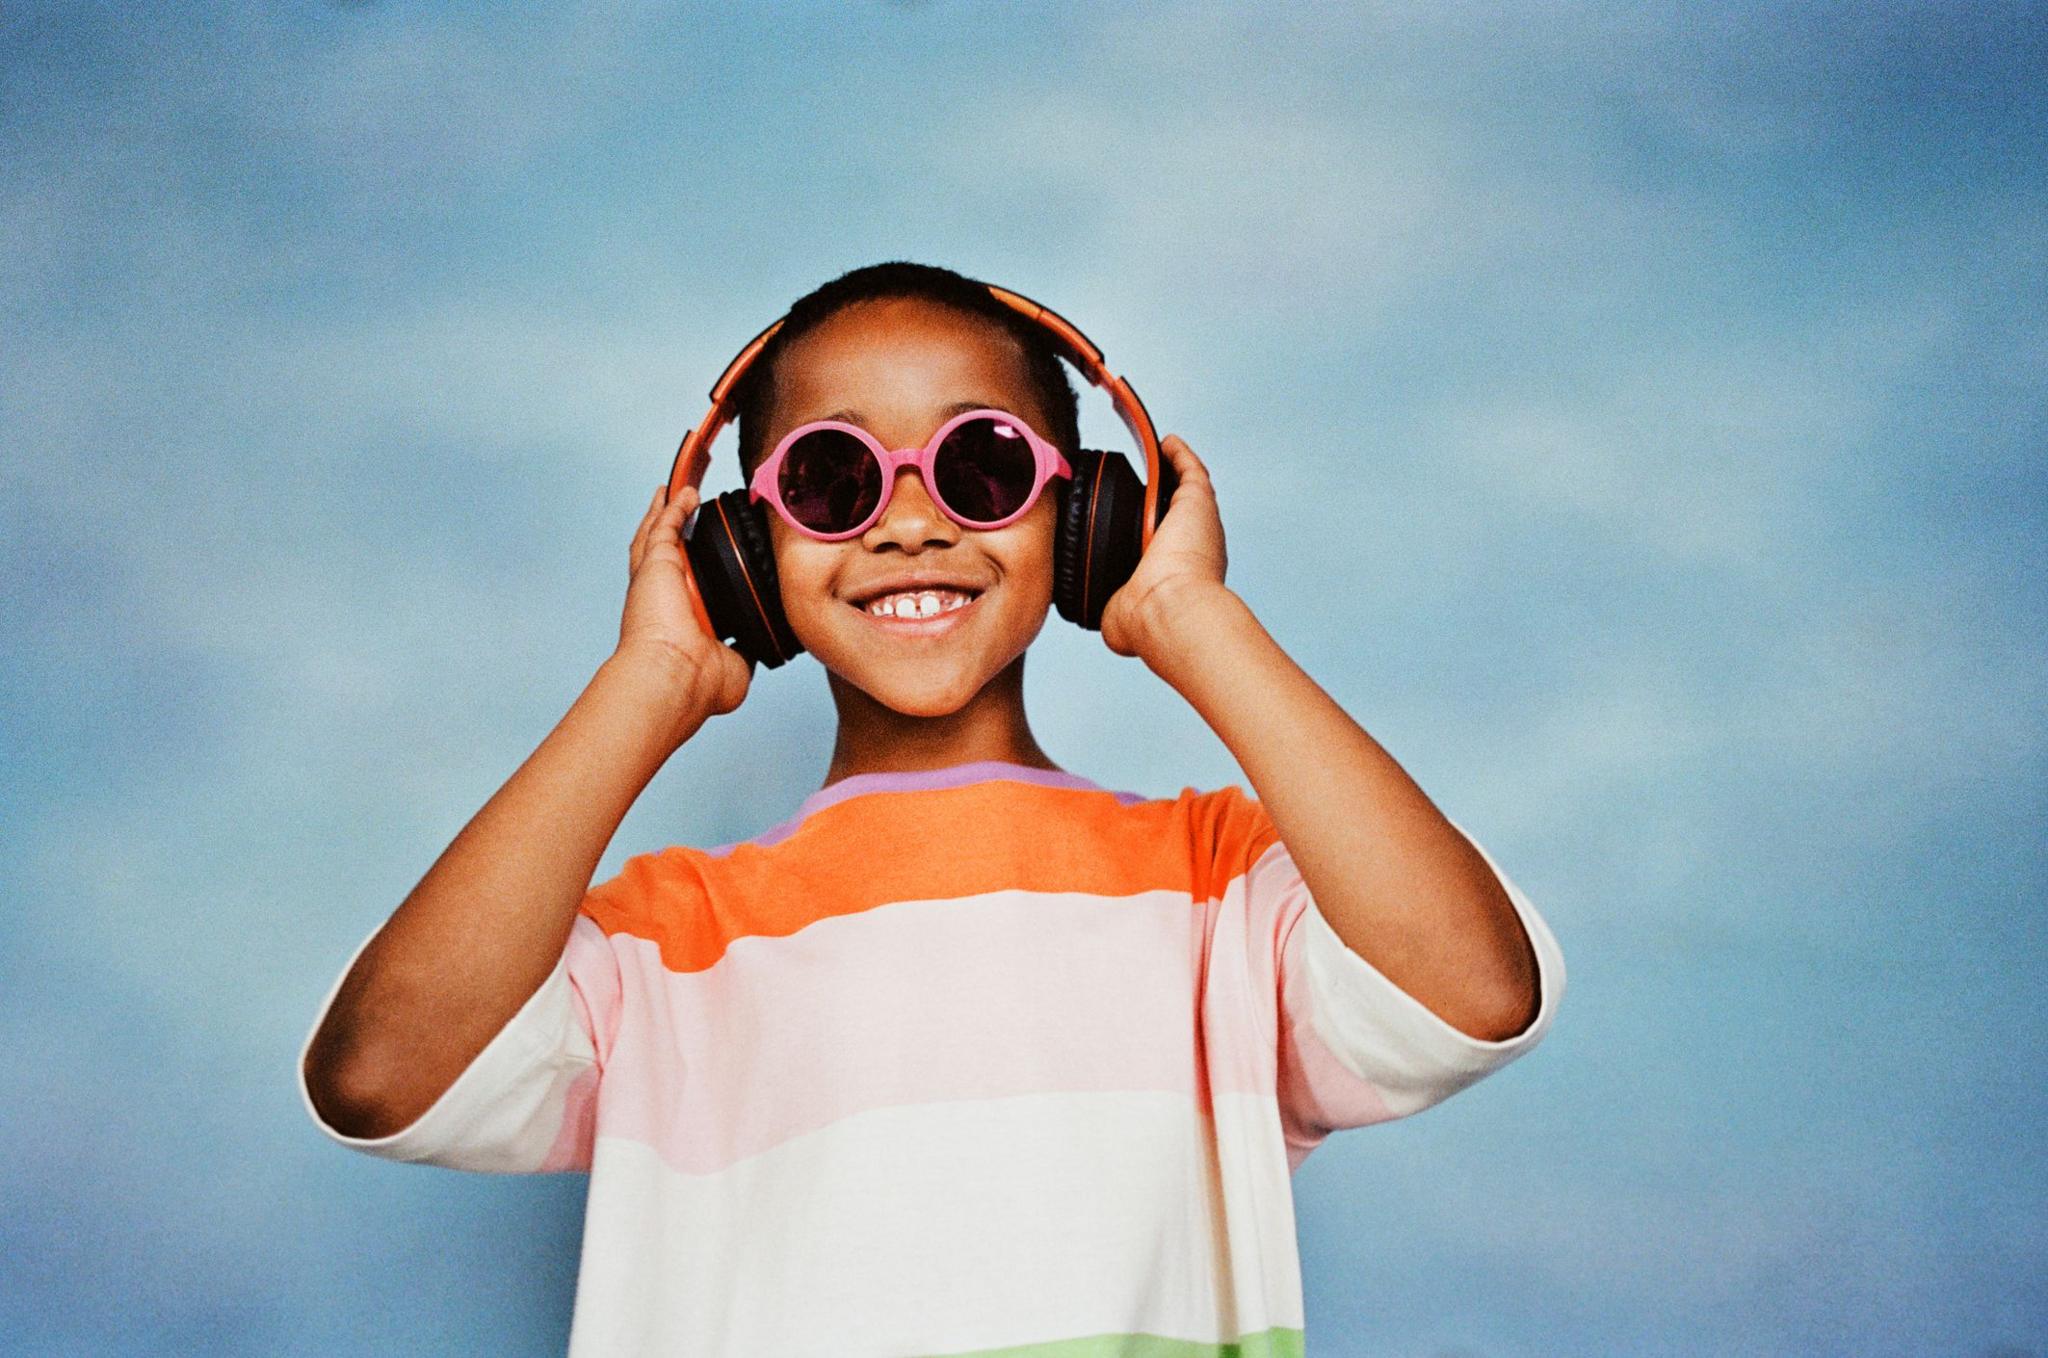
949 1226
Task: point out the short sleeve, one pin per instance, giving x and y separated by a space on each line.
526 1102
1355 1048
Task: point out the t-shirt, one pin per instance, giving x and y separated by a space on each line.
987 1058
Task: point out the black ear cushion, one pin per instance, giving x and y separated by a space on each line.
1070 533
1099 535
749 523
734 565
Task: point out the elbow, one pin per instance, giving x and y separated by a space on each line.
357 1093
1510 1018
1515 994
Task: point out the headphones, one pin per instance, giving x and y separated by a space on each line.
1106 518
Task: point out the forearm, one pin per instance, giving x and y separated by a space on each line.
487 923
1393 877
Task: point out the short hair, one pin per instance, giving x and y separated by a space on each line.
899 278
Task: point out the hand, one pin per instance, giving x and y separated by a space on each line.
1186 555
659 621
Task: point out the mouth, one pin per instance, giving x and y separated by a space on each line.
917 607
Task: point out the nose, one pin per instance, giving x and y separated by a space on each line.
912 522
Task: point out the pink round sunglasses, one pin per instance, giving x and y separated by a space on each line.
831 480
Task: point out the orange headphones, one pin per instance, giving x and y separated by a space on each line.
1106 518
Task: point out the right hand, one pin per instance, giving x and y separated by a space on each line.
659 621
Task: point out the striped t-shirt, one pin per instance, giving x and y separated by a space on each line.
982 1059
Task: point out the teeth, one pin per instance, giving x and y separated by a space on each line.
916 604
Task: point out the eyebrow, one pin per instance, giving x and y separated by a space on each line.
957 408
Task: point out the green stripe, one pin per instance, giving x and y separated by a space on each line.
1278 1342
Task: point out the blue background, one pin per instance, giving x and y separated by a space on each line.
1634 416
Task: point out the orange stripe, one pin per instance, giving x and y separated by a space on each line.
932 844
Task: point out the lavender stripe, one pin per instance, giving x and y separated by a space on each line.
960 775
775 834
926 780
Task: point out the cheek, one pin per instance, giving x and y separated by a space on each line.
803 570
1037 579
1032 554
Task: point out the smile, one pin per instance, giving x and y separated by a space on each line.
918 603
919 612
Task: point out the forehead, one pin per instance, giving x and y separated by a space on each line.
897 359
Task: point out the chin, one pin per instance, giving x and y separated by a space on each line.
938 682
920 697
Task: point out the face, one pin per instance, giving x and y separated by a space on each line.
900 368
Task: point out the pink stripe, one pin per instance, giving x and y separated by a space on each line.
594 983
982 997
1318 1095
594 994
573 1142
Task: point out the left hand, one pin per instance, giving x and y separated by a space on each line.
1186 553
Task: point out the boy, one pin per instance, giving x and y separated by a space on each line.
971 1053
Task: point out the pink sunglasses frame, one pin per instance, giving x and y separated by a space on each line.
766 483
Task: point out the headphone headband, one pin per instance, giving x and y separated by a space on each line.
693 456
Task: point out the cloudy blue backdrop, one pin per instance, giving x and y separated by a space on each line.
1634 417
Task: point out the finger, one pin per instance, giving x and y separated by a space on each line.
639 542
1183 458
1192 476
664 525
668 525
653 511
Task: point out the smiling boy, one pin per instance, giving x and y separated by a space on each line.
937 692
970 1053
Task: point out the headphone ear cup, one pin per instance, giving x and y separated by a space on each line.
1099 535
734 565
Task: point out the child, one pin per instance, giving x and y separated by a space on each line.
969 1053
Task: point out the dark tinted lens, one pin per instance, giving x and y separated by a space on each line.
829 481
984 470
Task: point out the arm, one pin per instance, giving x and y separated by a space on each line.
485 926
1395 880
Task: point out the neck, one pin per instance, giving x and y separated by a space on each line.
877 739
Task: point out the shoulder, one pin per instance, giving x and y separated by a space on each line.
1229 822
647 886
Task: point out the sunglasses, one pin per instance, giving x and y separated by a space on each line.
831 480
